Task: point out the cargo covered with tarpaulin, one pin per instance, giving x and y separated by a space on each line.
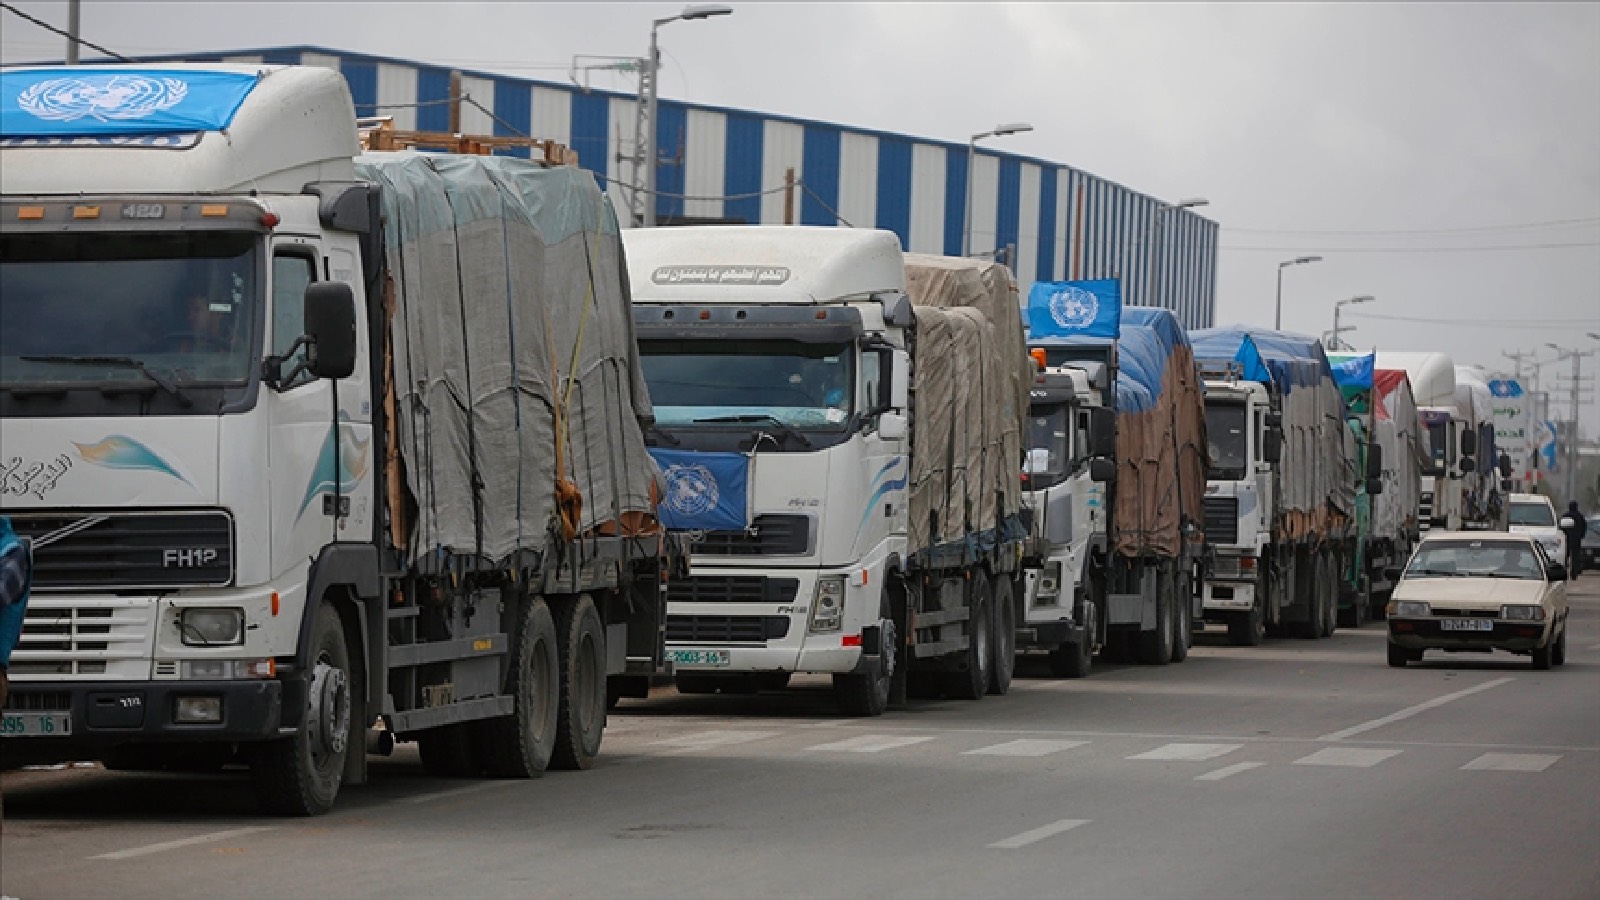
1317 490
971 379
1405 452
511 366
1161 432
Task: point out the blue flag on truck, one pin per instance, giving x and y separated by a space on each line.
107 103
704 491
1075 309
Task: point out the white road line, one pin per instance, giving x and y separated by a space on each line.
164 846
1512 762
1226 771
1410 711
455 792
1025 747
870 743
705 739
1187 752
1347 757
1037 834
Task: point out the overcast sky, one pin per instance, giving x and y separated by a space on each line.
1443 157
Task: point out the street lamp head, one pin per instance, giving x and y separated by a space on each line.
1364 298
1013 128
704 11
1307 259
1191 203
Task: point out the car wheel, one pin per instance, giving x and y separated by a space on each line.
1541 656
1398 656
1559 655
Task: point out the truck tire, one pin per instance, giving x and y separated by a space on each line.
446 751
971 680
520 745
300 775
1247 629
1331 573
581 719
1154 647
1074 660
1004 640
1183 618
867 695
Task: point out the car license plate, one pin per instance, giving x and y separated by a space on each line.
1466 624
698 658
36 724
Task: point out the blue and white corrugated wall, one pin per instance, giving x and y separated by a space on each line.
1064 223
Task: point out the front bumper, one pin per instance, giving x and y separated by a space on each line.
765 628
105 714
1229 596
1428 634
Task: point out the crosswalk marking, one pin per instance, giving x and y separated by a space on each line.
870 743
1187 752
1513 762
1351 757
1025 747
705 739
1037 834
1226 771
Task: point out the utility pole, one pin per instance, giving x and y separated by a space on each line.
72 33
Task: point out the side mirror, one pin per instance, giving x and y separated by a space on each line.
893 426
1506 485
1392 573
1272 445
330 313
1374 461
1102 470
1505 468
1469 444
1273 420
1374 487
899 380
1102 431
1467 465
1555 572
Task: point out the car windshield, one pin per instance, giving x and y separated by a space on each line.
1228 448
795 383
1473 558
1532 514
106 308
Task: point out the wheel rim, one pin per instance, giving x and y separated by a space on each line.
537 688
328 712
585 682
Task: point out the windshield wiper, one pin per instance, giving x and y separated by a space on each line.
783 427
119 362
1435 572
662 433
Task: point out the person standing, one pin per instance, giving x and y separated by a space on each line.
1574 527
16 578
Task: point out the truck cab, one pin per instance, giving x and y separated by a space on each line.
1244 446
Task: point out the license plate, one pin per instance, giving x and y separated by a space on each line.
36 724
1466 625
700 658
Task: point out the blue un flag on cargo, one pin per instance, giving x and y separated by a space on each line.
1075 309
704 491
16 577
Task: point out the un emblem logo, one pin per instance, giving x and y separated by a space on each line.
691 490
104 98
1074 307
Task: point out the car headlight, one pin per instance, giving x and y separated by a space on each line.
827 608
205 627
1408 608
1521 612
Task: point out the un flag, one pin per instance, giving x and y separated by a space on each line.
1075 309
704 491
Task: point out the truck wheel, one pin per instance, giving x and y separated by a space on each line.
1183 618
582 717
446 751
1398 656
1329 585
1004 642
1247 629
1075 660
1154 648
868 695
300 775
520 745
971 681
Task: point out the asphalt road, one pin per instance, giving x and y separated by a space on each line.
1299 768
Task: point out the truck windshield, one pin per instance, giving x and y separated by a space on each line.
1228 452
799 384
176 305
1049 456
1531 514
1438 448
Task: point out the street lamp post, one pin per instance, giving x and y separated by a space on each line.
1152 296
647 86
1334 339
972 149
1277 319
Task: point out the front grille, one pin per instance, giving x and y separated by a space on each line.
131 551
1222 520
40 701
1466 613
725 629
732 589
766 536
79 638
1425 512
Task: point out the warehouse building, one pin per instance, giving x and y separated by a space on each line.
1050 221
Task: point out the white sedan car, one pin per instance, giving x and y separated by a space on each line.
1534 514
1480 591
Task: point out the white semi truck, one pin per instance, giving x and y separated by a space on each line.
309 439
839 427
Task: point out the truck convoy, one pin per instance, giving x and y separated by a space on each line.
1280 503
1116 477
839 427
308 439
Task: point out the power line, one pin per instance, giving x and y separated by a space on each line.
48 27
1481 323
1552 223
1481 248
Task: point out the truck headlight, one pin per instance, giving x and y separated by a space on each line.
1048 587
1522 612
204 627
827 607
1411 608
226 669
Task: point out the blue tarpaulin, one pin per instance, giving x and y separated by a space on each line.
65 102
1287 360
1075 309
705 491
